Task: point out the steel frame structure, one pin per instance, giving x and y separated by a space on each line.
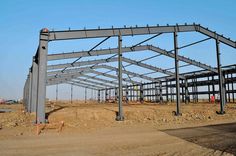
76 73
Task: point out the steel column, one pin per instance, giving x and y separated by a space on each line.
120 116
182 90
85 95
71 94
29 91
171 92
228 88
232 87
42 73
106 94
99 100
141 93
56 93
167 92
186 91
126 93
34 85
220 78
156 93
177 74
213 86
160 90
209 89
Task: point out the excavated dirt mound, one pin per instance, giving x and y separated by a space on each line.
91 129
90 115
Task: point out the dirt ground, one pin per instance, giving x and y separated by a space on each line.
148 129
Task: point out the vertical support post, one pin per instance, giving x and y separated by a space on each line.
28 93
220 78
228 88
167 92
30 90
42 75
99 96
126 93
196 88
24 95
34 85
182 90
177 74
71 94
141 93
186 91
116 94
232 86
120 116
160 90
106 95
193 91
56 93
209 90
156 93
171 92
213 86
224 89
85 95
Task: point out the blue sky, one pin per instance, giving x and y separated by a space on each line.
21 20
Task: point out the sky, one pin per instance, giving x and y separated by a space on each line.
21 21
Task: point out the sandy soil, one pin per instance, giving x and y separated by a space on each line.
91 129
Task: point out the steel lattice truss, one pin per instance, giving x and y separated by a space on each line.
79 72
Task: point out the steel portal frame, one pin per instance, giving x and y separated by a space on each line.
40 75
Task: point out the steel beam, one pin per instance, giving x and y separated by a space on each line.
91 62
98 33
92 82
216 36
125 49
76 70
67 81
99 79
83 85
128 73
148 66
70 55
182 58
78 73
112 32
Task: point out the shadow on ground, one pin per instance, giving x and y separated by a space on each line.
218 137
54 110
